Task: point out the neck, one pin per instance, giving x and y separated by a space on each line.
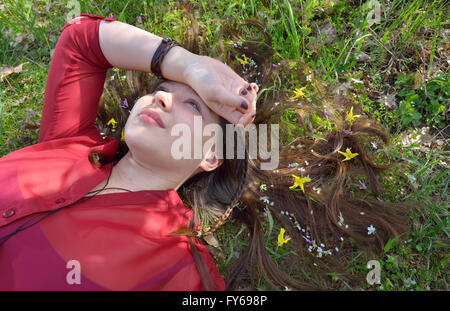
131 175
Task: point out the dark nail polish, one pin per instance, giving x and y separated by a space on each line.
249 88
244 92
244 105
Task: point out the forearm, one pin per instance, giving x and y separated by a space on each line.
131 48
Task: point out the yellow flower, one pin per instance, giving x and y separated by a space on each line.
298 93
281 239
350 115
243 62
348 154
299 182
122 138
113 122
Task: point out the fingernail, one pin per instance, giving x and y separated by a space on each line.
244 105
249 88
244 92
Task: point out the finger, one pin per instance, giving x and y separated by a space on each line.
255 87
232 100
247 118
231 115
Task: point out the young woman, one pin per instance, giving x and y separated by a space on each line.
149 238
118 238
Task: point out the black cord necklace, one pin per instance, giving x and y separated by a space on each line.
45 214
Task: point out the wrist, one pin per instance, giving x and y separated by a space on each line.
175 63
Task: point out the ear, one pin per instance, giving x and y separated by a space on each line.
210 162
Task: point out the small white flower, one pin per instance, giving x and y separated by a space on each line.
308 78
370 230
286 288
319 164
293 164
346 226
412 178
342 239
321 244
362 213
265 199
312 150
374 145
315 264
337 249
306 163
282 212
301 169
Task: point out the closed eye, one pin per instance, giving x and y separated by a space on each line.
196 106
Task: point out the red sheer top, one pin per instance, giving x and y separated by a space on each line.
119 240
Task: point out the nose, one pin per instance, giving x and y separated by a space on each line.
162 99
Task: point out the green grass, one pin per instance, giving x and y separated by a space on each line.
405 47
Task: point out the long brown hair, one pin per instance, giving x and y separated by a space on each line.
326 222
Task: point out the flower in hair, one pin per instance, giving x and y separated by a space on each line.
122 138
350 115
298 93
113 123
282 239
124 104
299 181
370 230
347 132
244 61
348 154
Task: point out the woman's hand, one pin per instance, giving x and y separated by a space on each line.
222 89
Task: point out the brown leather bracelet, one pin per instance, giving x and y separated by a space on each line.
166 44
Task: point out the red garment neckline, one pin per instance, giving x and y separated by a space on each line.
138 197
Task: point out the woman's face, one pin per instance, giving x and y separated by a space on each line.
174 103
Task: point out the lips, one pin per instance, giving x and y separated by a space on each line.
154 116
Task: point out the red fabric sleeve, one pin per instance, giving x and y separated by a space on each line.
75 81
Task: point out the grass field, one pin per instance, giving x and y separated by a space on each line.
393 63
